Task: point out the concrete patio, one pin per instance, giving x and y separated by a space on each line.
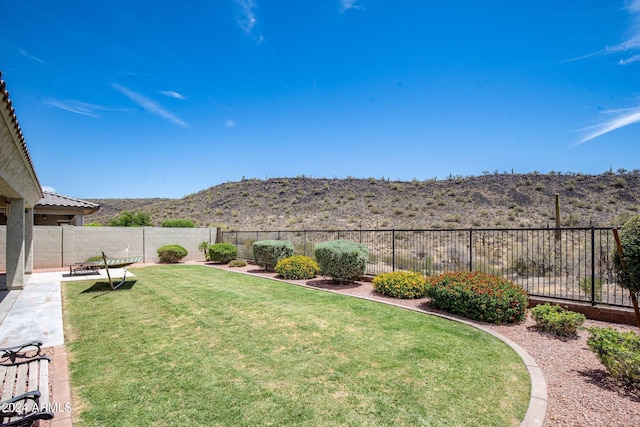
35 313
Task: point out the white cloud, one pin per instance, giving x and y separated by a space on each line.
633 6
48 189
634 58
623 118
172 94
246 18
26 54
78 107
349 4
150 106
631 44
230 123
630 48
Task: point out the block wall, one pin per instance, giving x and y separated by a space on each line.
189 238
55 247
81 243
47 247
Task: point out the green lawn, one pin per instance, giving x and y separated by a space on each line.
193 345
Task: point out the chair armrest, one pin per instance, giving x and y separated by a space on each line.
26 411
34 394
9 355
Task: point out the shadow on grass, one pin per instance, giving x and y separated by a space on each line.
103 288
330 284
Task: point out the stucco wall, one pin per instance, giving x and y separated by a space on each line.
55 247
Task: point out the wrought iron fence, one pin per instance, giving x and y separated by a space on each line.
570 263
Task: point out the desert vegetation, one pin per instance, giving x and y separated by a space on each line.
491 200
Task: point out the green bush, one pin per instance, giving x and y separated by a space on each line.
178 223
629 277
401 284
478 296
171 253
297 267
585 285
267 253
238 263
556 320
131 219
222 252
94 258
342 260
618 351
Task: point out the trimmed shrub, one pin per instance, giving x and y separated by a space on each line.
171 253
297 267
401 284
342 260
178 223
267 253
478 296
629 277
556 320
238 263
94 258
222 252
618 351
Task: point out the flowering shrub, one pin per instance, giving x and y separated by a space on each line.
297 267
556 320
478 296
618 351
401 284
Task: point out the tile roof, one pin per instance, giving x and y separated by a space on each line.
6 104
60 201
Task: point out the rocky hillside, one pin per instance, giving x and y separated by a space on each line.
490 200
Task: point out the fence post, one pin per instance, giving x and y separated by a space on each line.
236 239
470 250
593 266
304 242
393 249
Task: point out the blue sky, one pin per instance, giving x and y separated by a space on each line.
162 99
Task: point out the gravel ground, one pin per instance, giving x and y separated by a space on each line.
580 392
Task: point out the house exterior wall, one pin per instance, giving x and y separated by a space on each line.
56 247
17 177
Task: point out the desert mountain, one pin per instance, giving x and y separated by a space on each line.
492 200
